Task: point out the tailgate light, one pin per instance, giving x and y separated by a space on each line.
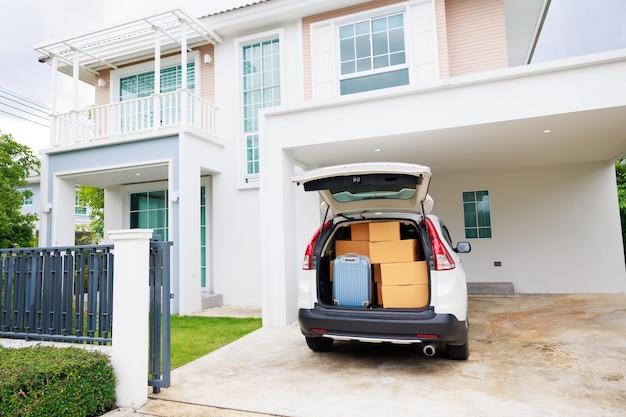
443 259
308 253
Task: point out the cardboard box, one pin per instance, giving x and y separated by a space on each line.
393 251
360 231
359 247
332 269
404 273
379 293
384 231
404 296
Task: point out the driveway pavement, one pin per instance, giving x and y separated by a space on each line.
531 355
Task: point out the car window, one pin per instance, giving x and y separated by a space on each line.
379 192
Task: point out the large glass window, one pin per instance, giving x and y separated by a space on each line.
373 54
140 115
142 85
148 210
261 89
477 213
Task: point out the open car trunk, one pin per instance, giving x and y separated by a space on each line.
399 275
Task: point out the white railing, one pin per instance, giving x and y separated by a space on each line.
179 108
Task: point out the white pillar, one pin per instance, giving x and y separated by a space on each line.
131 305
53 117
62 213
188 234
279 260
157 62
157 80
75 79
113 211
183 55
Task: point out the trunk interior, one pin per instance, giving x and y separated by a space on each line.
398 275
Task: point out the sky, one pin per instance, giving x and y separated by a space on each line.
572 27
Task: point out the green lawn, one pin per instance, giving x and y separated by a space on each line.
195 336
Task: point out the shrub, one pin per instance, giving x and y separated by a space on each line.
49 381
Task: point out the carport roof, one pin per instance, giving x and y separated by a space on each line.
115 46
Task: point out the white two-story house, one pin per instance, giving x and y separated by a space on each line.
522 154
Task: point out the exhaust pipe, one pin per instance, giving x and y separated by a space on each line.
429 350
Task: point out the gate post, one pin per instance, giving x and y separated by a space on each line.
129 353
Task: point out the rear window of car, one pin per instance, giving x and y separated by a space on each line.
378 193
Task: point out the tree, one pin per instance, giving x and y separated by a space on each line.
620 173
17 162
93 199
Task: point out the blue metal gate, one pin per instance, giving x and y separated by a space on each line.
159 358
57 294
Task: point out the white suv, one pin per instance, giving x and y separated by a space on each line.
380 212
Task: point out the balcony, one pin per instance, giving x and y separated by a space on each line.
179 109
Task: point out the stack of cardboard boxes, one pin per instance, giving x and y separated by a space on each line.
400 276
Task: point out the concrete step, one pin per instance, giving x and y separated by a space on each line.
490 288
212 300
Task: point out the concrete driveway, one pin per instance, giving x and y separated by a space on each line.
531 355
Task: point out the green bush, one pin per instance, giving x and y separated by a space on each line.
49 381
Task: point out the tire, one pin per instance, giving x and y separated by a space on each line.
319 344
458 352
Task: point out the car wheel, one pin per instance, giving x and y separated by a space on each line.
458 352
319 344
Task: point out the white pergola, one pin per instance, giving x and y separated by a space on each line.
83 57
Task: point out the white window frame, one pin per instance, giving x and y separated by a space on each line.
369 15
244 180
420 38
170 61
27 202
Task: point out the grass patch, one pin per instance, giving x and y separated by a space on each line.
195 336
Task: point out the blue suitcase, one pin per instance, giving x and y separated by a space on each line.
352 280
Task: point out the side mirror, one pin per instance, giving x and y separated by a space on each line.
463 247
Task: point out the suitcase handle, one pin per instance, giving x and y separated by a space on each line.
350 258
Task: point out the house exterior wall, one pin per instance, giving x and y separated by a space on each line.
35 206
554 229
476 36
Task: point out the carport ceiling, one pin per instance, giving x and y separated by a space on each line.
121 176
591 136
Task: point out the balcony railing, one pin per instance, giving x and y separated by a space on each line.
176 109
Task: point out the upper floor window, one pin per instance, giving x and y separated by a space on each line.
373 54
477 214
261 89
142 85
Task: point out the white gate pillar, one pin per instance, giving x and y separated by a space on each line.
131 305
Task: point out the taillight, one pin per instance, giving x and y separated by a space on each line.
307 263
443 259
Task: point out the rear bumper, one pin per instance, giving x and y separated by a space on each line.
382 326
